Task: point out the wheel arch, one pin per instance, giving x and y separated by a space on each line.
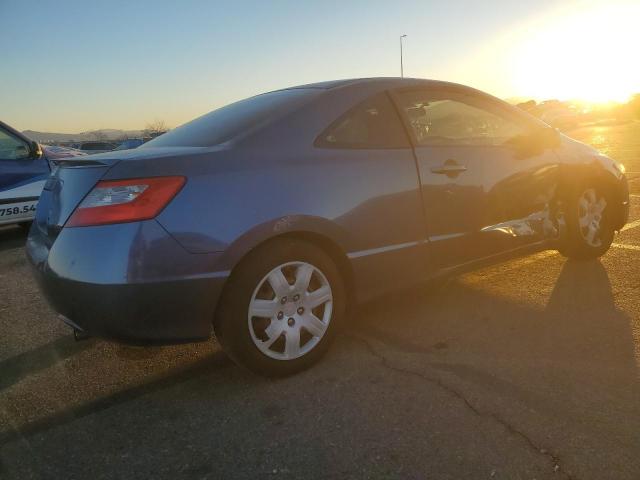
596 174
331 248
320 232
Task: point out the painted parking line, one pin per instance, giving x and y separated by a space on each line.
629 226
625 246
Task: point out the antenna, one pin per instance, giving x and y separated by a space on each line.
401 60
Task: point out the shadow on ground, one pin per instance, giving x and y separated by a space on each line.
464 330
201 368
13 369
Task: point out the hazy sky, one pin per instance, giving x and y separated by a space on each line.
70 66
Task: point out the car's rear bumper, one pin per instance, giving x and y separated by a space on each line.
132 282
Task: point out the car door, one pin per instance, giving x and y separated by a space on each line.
486 186
22 176
366 160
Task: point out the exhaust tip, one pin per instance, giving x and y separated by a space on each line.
79 335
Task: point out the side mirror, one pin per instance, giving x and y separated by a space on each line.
35 150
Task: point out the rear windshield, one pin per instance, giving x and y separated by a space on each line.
227 122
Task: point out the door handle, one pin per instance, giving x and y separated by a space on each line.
450 168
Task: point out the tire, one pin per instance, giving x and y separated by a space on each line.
288 315
587 213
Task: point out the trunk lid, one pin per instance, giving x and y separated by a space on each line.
69 183
73 178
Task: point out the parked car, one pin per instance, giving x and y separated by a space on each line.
130 143
267 219
53 152
95 147
23 170
24 167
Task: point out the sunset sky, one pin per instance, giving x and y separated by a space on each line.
70 66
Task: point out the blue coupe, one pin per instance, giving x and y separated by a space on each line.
264 220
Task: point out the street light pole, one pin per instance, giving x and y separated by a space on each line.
401 64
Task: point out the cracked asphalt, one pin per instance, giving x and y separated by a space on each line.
529 369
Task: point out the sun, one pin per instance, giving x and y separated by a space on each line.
587 53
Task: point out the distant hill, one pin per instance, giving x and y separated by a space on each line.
105 133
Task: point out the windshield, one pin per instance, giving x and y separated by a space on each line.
227 122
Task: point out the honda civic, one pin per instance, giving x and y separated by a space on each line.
264 221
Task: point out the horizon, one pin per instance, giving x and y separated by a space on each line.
156 60
514 101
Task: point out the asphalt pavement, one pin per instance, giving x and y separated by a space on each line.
529 369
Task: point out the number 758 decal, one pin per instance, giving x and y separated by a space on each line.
7 211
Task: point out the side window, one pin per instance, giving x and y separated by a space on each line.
372 124
437 120
12 148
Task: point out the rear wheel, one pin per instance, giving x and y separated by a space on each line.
589 231
281 307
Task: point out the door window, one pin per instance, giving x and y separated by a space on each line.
372 124
12 148
436 119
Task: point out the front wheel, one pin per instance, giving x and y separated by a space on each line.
589 232
281 307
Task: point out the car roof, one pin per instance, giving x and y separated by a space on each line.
387 82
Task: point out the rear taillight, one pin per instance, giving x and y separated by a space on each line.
118 201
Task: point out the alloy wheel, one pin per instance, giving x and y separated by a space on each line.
590 211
